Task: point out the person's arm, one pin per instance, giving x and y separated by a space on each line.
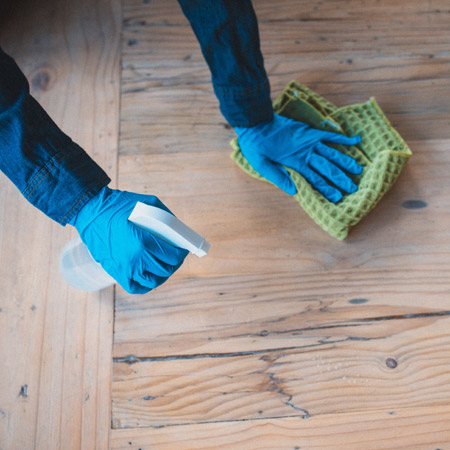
58 177
227 31
52 172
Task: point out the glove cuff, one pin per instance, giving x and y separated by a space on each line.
90 210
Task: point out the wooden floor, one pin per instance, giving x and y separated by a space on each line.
282 337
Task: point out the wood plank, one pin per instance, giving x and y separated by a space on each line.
401 429
255 228
217 315
282 320
345 56
158 63
159 13
402 364
56 352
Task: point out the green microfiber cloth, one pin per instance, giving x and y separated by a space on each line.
382 153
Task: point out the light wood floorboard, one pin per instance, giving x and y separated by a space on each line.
56 348
281 320
402 429
282 337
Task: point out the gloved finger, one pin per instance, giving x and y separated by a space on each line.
149 280
155 201
161 250
338 138
127 283
317 182
133 287
332 173
340 159
276 174
150 263
151 200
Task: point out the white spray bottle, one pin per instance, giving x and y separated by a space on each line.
81 271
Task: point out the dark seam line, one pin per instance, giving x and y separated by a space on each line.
131 359
250 419
77 203
404 316
54 163
39 173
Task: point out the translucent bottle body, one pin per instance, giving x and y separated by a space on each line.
80 270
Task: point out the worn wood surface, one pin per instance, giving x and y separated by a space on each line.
256 229
247 313
320 375
283 337
347 51
57 342
411 429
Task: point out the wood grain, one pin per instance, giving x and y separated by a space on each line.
397 54
57 342
400 429
251 313
255 228
317 372
281 320
282 337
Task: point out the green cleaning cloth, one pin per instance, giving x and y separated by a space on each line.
382 153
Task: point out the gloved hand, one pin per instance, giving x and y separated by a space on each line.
136 259
269 146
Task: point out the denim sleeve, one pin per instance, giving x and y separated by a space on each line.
227 31
52 172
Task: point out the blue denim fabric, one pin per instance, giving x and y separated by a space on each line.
59 177
227 31
52 172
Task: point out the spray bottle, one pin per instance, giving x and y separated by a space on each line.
81 271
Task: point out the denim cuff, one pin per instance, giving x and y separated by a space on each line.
245 107
65 184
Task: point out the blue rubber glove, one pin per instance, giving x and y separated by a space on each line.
269 146
136 259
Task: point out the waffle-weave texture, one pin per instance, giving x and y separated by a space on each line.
382 153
